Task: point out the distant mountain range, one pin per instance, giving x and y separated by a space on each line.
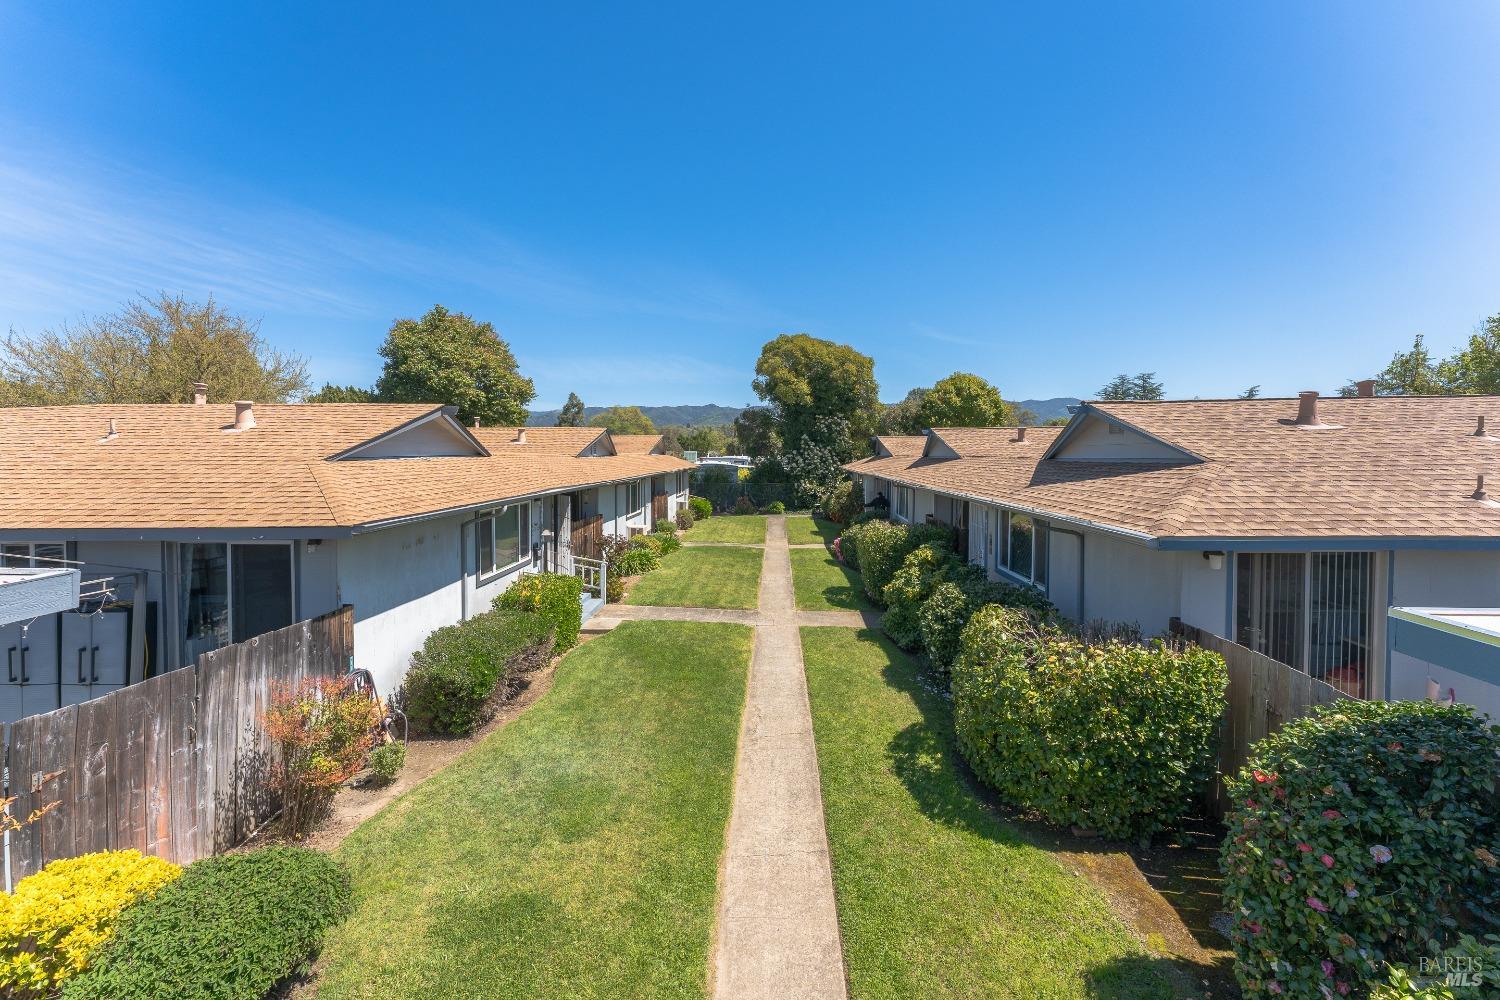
714 415
707 415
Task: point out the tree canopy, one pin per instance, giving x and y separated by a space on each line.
1143 385
624 420
803 379
904 417
963 400
152 351
331 393
451 358
703 440
1473 370
571 414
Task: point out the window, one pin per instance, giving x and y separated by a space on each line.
1311 611
32 555
230 592
634 497
1018 545
902 502
502 538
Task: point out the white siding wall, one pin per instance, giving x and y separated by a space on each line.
1205 593
1126 582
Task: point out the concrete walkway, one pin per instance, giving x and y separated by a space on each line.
778 930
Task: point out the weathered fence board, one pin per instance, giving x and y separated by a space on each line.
173 766
1263 695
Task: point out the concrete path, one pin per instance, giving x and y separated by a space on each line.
778 932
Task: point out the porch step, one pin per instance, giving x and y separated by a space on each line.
591 606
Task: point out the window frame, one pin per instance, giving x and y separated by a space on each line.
29 560
486 536
183 580
1040 550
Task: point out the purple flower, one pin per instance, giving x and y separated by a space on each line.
1381 854
1317 904
1327 968
1327 861
1274 986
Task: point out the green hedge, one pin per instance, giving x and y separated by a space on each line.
955 597
634 562
843 502
463 670
1359 834
882 547
228 929
909 587
556 597
701 507
1117 738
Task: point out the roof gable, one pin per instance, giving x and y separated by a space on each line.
1095 436
433 435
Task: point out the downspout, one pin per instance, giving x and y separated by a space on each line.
1390 633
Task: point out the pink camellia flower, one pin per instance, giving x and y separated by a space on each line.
1327 861
1274 986
1331 814
1343 989
1327 968
1253 927
1305 848
1381 854
1317 904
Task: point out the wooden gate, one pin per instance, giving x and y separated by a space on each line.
588 537
174 766
658 509
1264 695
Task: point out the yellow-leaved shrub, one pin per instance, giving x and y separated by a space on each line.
58 916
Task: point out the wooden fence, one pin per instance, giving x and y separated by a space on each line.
173 766
1264 694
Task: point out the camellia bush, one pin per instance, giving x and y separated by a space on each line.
1116 738
909 588
1359 836
59 916
958 593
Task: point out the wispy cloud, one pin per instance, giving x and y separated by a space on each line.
79 236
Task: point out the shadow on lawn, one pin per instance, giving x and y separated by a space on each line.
1168 893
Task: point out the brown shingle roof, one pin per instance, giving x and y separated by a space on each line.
540 440
902 445
986 442
636 444
1394 467
176 467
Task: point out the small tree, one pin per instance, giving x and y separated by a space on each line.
624 420
1251 393
454 359
323 732
572 412
331 393
1146 386
1119 388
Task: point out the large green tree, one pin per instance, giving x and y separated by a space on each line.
152 351
904 417
624 420
756 433
571 414
1126 387
1475 370
451 358
804 380
704 440
963 400
331 393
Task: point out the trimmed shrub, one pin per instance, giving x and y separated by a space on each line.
880 548
614 587
744 505
685 519
556 597
701 507
386 761
228 929
843 502
1358 834
664 526
1115 738
957 594
908 588
850 537
323 731
651 543
635 561
60 916
463 671
669 543
775 507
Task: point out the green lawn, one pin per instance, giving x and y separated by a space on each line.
702 578
936 895
823 583
803 530
574 852
744 529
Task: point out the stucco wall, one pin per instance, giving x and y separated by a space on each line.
1125 582
1445 579
1204 599
403 582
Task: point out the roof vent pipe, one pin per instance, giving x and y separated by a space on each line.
1020 434
200 393
113 432
520 435
1479 431
1479 493
1307 408
244 414
1364 388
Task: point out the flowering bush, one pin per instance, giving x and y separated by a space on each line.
556 597
57 917
1115 737
229 928
323 731
1358 834
701 507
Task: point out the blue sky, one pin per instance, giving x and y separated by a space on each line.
638 196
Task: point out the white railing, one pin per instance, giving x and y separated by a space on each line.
594 573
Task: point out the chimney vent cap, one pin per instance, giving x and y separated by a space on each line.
200 393
244 414
1365 388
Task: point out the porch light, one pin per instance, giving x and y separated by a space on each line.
1215 560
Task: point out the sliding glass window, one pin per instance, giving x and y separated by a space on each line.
1312 611
230 592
